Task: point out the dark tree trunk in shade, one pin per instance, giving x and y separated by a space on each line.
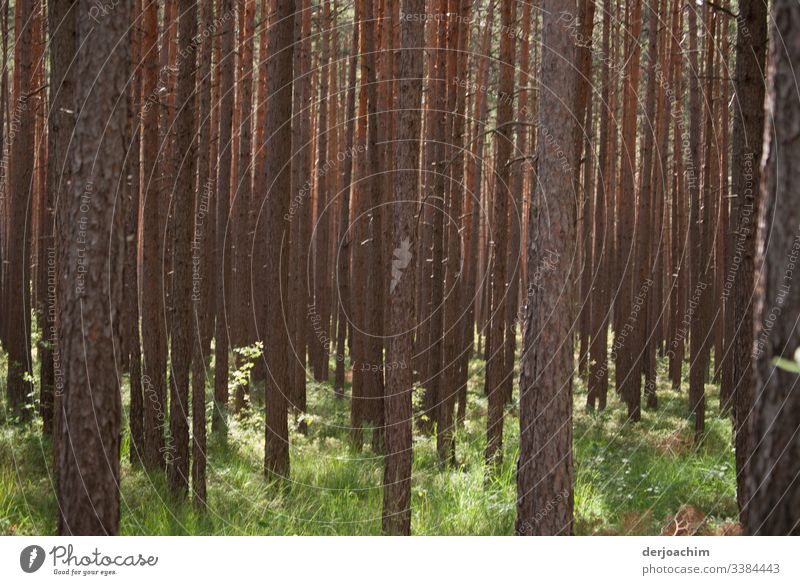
342 281
375 296
496 365
773 474
474 189
61 18
747 142
221 331
154 340
243 331
276 237
202 261
519 168
545 475
182 229
697 371
625 350
455 275
88 467
322 228
17 312
301 204
643 277
598 346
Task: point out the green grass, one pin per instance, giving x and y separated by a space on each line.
630 479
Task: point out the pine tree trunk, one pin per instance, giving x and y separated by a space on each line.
221 332
773 477
88 467
346 238
747 141
20 189
183 226
625 349
545 475
496 365
154 340
598 362
397 462
276 351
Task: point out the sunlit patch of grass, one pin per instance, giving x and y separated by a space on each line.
629 478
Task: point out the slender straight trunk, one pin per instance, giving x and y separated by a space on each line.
166 157
221 332
397 462
452 330
519 167
644 283
680 254
496 365
585 27
474 190
300 208
182 228
20 185
358 404
725 329
154 340
545 476
202 259
747 141
346 237
5 114
433 211
696 371
773 477
131 340
322 228
658 308
243 333
61 17
598 348
722 236
278 132
375 297
701 334
625 349
88 468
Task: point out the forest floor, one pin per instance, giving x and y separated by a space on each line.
644 478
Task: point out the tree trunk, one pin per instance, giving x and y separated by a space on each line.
202 260
346 237
773 477
278 132
625 349
747 141
496 365
773 472
598 362
221 332
545 475
184 203
20 188
92 292
153 319
397 462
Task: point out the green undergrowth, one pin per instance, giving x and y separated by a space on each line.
630 478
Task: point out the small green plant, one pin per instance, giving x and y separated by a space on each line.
247 359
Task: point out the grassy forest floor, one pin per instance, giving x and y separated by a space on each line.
630 479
